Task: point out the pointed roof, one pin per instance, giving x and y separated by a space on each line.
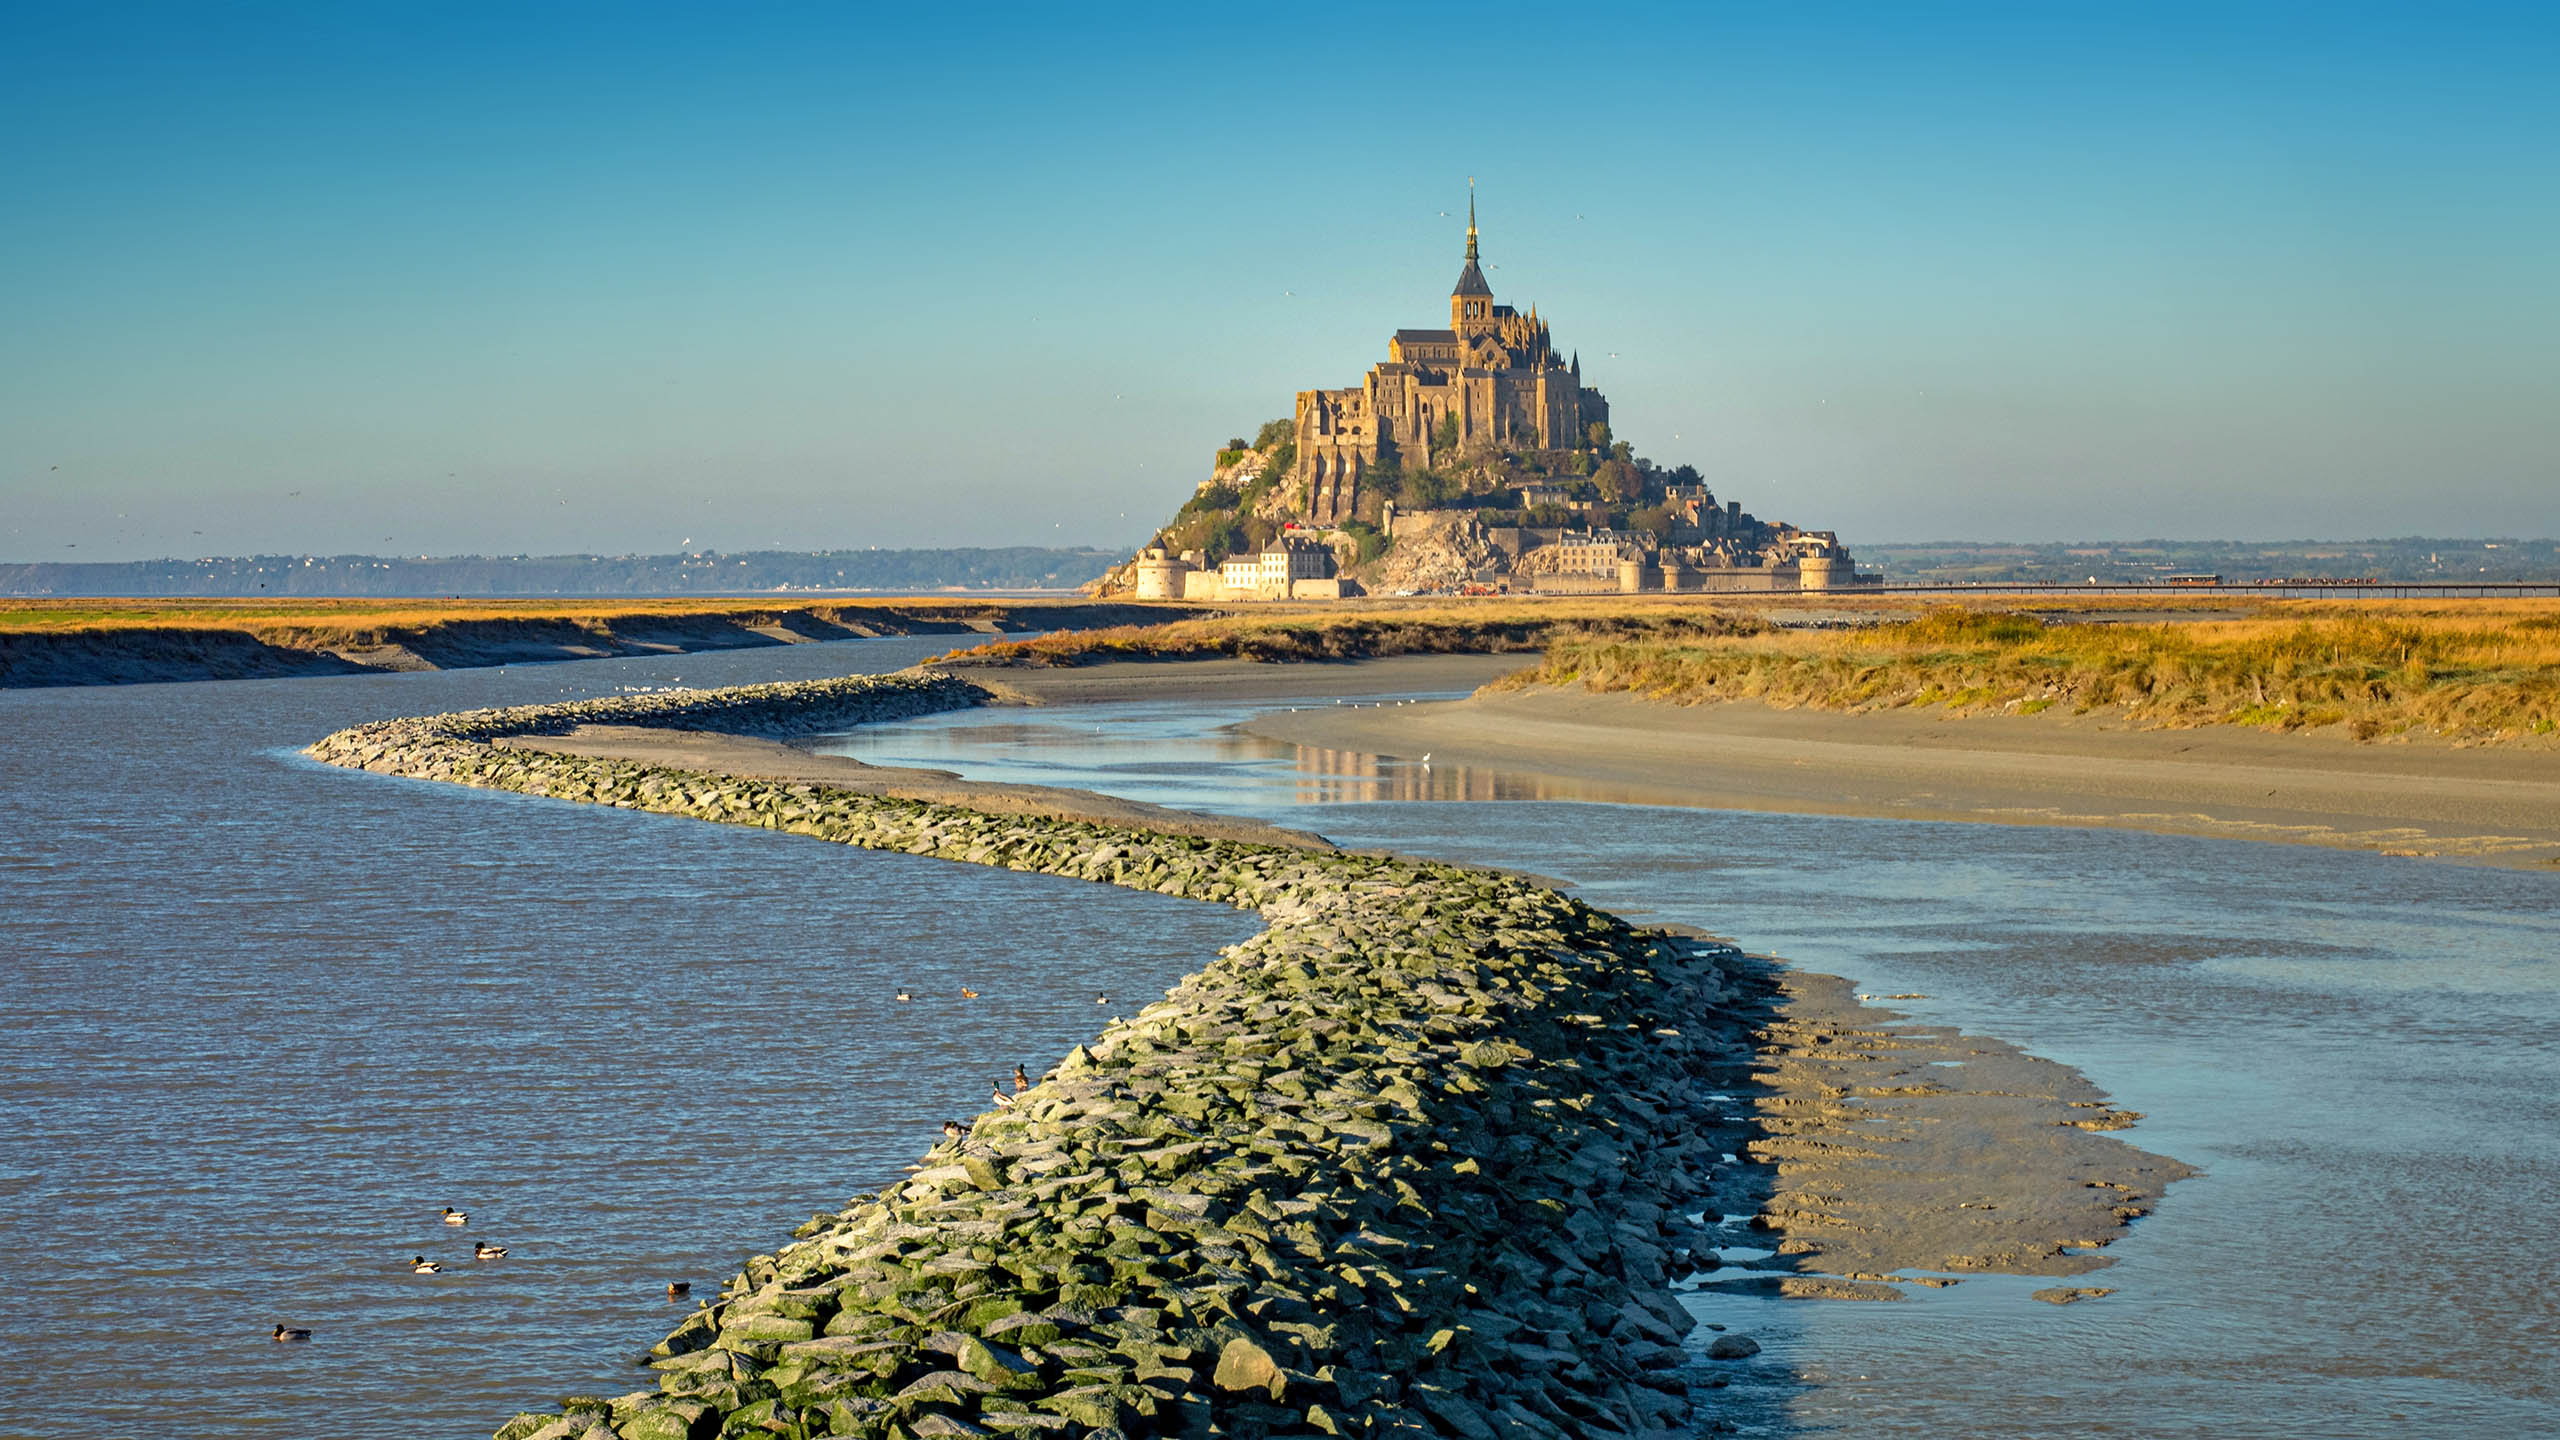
1471 279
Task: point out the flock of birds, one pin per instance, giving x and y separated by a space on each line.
421 1265
678 1289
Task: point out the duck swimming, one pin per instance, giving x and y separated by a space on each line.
1101 999
903 996
968 994
486 1251
455 1217
421 1265
678 1289
290 1333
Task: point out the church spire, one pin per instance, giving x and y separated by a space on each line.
1470 300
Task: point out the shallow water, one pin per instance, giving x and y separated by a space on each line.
268 1017
2362 1052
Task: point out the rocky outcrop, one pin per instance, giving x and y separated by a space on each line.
1410 1161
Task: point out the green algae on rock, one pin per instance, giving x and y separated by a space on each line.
1410 1161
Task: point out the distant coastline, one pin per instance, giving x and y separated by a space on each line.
700 574
51 643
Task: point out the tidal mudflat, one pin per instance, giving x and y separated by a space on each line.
1539 1085
2356 1049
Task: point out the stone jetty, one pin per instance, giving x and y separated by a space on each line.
1411 1161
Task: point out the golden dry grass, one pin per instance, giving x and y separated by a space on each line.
2479 670
2466 669
1366 632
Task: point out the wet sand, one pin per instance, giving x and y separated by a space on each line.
1215 682
1894 1146
1874 1148
2494 806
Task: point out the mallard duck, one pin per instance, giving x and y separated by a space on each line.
1003 1101
968 994
1101 999
455 1217
1021 1080
951 1130
292 1332
486 1251
903 996
678 1289
421 1265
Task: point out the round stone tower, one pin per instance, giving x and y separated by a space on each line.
1160 574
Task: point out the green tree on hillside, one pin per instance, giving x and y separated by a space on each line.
1620 482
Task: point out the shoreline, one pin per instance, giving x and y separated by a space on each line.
1419 1070
2468 805
315 641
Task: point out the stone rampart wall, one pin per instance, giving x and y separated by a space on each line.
1410 1162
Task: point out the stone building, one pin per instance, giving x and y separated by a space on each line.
1294 566
1493 372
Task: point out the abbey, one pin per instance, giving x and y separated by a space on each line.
1492 376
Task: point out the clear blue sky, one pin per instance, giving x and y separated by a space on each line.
449 277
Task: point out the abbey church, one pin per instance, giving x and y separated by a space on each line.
1491 376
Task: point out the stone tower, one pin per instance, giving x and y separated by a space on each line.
1471 300
1492 378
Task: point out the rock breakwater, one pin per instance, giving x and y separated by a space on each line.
1411 1161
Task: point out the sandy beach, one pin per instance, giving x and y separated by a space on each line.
2495 806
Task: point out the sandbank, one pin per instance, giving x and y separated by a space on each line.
2480 805
1217 682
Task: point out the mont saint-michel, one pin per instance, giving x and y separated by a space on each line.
1473 459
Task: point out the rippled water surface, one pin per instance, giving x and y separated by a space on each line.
265 1018
2363 1054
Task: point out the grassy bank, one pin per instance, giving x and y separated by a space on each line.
93 642
2482 671
1477 628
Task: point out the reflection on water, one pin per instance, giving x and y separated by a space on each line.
1191 757
2362 1052
265 1017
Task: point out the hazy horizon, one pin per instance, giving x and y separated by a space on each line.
642 280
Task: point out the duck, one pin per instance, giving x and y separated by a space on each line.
1003 1101
951 1130
290 1333
903 996
486 1251
455 1217
1101 999
678 1289
1021 1079
968 994
421 1265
